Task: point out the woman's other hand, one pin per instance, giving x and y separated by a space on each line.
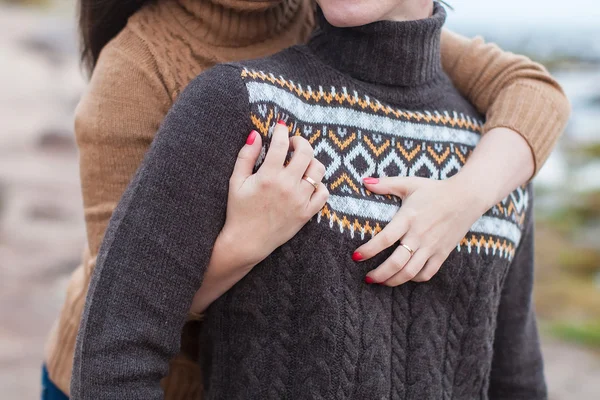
434 217
264 209
267 208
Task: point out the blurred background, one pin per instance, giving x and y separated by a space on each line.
41 221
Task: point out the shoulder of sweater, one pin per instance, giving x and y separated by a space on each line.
215 107
221 87
297 63
131 56
168 45
293 62
126 81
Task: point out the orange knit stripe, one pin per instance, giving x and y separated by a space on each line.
375 106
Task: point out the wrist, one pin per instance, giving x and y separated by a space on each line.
501 162
235 249
474 192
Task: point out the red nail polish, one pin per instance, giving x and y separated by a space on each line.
356 256
369 280
251 138
281 122
371 181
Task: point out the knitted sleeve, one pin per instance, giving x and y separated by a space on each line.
513 91
115 123
159 242
517 366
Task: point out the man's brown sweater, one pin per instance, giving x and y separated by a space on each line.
142 71
374 101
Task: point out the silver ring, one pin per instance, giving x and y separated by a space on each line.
411 251
311 181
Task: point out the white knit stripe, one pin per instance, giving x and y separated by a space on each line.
499 227
363 208
376 211
326 115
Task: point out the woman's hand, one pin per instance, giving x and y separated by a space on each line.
264 209
434 217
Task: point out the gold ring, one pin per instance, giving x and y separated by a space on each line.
411 251
311 181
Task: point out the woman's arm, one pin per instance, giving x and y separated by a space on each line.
115 124
526 112
513 91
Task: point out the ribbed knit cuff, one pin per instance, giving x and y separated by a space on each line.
540 123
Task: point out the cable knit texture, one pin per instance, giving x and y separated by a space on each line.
302 324
166 44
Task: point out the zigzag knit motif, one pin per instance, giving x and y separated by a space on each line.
356 136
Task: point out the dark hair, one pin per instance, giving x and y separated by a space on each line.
99 22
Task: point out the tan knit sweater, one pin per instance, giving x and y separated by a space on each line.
165 45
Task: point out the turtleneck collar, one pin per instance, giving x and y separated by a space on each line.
389 53
236 23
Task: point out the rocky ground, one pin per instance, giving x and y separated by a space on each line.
41 226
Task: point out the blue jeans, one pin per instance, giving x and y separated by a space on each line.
49 390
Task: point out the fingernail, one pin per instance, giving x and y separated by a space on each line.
369 280
281 122
356 256
371 181
251 137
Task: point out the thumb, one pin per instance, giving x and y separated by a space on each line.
398 186
246 159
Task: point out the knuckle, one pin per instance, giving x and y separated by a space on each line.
426 277
242 155
320 168
396 264
410 215
302 142
286 190
387 238
279 139
426 250
304 151
418 231
266 182
410 274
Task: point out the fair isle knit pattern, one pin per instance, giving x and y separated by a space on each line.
356 136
